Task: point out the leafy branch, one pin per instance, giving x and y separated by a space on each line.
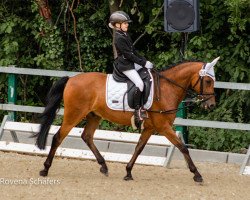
75 33
145 31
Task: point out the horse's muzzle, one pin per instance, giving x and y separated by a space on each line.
208 105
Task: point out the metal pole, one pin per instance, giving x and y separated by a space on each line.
182 113
12 85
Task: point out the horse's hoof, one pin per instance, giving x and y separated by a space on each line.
43 173
198 179
128 178
104 171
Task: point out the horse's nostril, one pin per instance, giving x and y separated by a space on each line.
212 106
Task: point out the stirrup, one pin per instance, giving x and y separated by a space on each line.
139 126
138 115
143 114
138 119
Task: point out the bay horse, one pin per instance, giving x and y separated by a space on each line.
84 98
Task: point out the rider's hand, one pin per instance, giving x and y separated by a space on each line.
149 65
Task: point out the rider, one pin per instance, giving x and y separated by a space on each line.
128 60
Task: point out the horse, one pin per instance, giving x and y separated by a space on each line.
84 98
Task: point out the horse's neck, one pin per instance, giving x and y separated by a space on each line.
184 72
182 76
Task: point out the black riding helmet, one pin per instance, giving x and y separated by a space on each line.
118 17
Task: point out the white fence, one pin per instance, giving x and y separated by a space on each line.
178 121
108 139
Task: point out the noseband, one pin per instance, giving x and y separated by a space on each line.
201 95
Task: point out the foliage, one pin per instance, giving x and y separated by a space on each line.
27 40
219 139
96 50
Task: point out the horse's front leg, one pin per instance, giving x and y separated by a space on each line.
88 134
172 137
145 135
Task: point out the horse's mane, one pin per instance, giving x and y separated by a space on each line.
178 63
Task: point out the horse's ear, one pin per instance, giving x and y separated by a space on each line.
209 69
213 63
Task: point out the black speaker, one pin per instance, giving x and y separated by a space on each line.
181 15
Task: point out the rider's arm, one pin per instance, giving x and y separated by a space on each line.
123 46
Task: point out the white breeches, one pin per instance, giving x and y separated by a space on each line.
135 78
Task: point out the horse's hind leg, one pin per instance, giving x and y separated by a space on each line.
87 136
172 137
56 141
47 164
68 124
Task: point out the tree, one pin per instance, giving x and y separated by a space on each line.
44 10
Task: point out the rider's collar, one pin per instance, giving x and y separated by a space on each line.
121 32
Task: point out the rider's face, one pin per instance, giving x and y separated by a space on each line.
123 26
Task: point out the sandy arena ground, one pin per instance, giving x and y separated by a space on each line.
81 179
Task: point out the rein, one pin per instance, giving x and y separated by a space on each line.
193 102
188 91
196 97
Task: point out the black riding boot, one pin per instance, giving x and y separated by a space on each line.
138 105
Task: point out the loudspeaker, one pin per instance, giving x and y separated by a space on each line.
181 15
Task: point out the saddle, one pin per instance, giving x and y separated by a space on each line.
147 80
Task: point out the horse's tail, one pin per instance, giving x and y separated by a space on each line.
54 98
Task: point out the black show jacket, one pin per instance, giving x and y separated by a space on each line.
126 53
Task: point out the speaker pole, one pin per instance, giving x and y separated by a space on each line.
184 38
182 113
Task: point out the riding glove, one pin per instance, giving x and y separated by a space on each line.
149 65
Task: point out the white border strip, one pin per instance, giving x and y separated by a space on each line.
99 134
246 170
83 154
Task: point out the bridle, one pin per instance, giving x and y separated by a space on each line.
196 98
202 74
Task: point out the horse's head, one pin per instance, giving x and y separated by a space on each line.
203 84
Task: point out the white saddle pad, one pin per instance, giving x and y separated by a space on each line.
115 95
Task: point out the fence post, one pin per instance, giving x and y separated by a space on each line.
12 96
182 113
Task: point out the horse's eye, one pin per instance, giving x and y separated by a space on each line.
208 82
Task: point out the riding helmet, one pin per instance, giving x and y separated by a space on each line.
118 17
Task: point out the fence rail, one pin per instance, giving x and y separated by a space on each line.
178 121
36 72
56 73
